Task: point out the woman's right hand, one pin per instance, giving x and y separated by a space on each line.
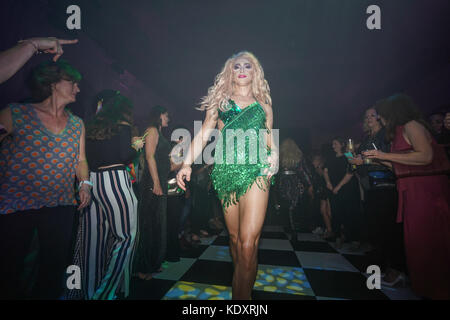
157 189
51 45
85 196
185 172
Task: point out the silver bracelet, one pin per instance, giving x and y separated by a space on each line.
85 182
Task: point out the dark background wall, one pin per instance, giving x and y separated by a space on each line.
322 63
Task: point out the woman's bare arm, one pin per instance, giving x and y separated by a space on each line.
200 140
196 147
82 167
151 141
270 142
420 141
13 59
82 172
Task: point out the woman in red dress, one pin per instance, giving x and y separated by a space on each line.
424 195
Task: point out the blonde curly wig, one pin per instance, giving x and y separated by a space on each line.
222 90
290 154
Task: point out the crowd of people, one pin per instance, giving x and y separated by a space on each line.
389 189
53 164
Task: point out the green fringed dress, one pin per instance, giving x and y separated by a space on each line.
241 153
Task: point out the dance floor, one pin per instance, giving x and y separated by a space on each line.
309 268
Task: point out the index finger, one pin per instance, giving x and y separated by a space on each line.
63 41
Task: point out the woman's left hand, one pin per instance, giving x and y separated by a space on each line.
273 162
375 154
335 190
85 196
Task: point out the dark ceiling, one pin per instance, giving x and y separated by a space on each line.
323 65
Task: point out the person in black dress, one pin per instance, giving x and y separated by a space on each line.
152 209
176 199
322 195
345 198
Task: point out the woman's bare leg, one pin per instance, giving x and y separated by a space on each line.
231 216
330 218
252 212
324 210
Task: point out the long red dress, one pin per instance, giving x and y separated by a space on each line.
424 209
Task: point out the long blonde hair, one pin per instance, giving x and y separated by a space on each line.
222 89
290 154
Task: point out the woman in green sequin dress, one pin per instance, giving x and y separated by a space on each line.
239 104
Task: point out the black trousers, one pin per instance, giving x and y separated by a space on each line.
55 233
175 206
201 209
380 210
346 213
152 235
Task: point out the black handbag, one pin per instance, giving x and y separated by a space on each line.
376 177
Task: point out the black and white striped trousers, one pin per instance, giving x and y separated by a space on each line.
108 229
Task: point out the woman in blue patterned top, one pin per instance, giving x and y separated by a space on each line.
42 153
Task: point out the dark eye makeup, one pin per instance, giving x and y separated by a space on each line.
246 66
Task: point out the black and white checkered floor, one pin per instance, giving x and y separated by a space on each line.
310 268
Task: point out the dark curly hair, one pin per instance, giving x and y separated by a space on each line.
116 110
48 73
397 110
